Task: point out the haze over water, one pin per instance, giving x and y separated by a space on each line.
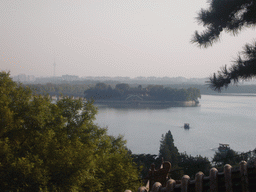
219 119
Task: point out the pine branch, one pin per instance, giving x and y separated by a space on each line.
241 69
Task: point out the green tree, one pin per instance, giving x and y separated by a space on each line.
168 151
57 147
122 87
193 94
251 158
230 16
233 158
144 162
155 91
192 165
101 86
116 170
227 157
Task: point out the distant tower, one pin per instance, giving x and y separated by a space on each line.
54 66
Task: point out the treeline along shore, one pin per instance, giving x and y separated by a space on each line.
145 104
150 96
125 95
78 89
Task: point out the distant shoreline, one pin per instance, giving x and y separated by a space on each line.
233 94
145 104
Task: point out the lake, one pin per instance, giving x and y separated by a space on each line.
218 119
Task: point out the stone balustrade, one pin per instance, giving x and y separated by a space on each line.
242 179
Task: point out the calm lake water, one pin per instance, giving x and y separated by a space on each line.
218 119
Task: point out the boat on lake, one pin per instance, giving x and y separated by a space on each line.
186 126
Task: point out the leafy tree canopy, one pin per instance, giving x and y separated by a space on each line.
101 86
181 162
227 157
122 86
232 157
57 147
192 165
144 162
230 16
150 93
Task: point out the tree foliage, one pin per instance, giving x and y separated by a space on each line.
233 158
58 89
181 162
227 157
192 165
122 87
144 162
230 16
150 93
168 151
57 147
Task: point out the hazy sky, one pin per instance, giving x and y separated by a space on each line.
109 38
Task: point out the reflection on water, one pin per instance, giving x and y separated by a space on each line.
219 119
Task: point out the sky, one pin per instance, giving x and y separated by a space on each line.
110 38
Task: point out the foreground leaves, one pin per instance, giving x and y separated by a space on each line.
57 147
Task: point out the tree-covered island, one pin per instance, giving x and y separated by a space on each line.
151 95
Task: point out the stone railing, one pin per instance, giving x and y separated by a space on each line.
242 179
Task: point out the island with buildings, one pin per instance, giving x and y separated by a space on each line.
122 95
